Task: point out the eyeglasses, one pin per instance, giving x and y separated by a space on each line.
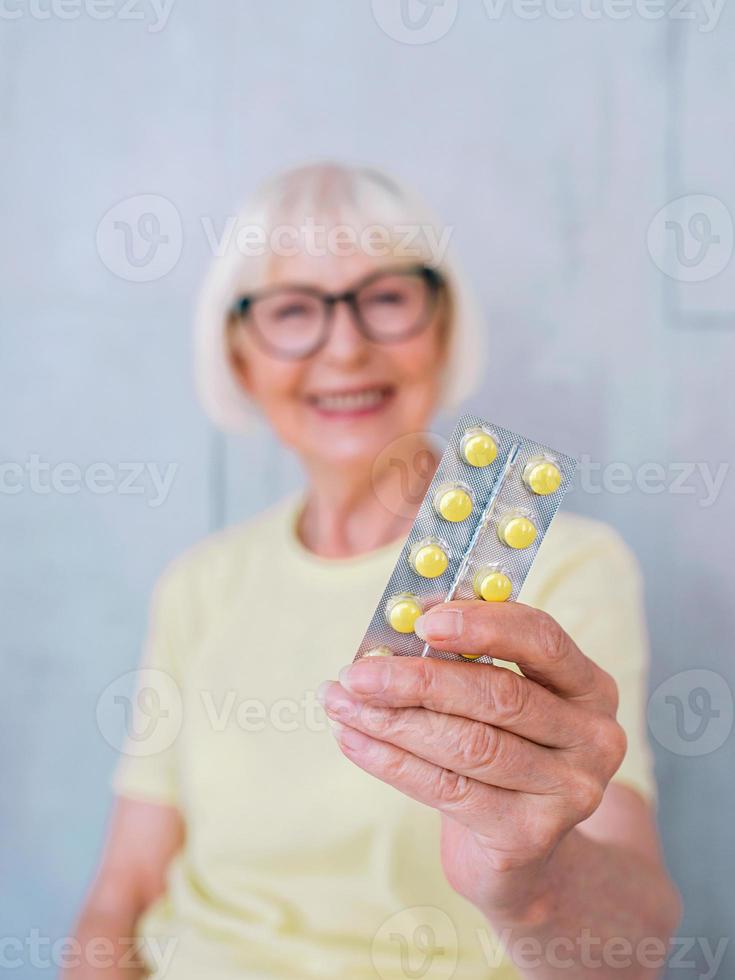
293 322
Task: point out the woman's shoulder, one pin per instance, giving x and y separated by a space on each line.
581 547
572 533
225 557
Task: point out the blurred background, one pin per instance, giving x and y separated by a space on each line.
582 156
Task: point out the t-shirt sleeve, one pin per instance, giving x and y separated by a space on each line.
148 768
594 591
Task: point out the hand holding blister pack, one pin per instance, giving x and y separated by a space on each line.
476 535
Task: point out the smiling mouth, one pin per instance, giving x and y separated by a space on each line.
351 403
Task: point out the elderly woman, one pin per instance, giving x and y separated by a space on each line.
462 803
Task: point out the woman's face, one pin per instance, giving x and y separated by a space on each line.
349 400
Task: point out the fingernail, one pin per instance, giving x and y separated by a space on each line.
439 624
321 692
335 702
355 741
365 676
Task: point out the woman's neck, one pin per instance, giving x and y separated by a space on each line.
349 511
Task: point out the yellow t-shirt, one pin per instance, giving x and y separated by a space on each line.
297 864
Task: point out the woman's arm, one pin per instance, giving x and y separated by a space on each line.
142 839
608 907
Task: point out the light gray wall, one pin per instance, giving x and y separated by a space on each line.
549 145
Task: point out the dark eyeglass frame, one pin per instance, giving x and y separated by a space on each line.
434 279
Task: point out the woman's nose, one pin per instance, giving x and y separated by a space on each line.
345 344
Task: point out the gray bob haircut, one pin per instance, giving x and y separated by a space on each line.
371 210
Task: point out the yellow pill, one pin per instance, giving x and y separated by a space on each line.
402 612
542 476
492 586
430 560
471 656
479 448
517 531
454 504
379 652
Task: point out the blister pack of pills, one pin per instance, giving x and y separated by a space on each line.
476 534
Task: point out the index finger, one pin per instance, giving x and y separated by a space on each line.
523 635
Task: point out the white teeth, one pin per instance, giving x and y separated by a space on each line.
350 401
